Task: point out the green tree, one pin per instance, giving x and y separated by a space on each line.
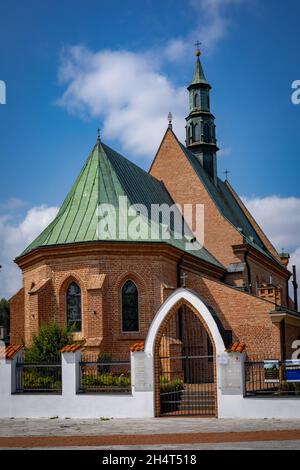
47 343
4 313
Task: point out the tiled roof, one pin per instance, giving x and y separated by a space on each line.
71 348
8 352
137 347
105 177
236 347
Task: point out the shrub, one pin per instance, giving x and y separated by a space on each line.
175 385
47 343
106 380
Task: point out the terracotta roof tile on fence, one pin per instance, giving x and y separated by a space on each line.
137 347
71 348
236 347
9 352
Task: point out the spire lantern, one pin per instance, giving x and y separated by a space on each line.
200 128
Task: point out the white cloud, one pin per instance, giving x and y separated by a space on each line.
14 237
213 25
279 217
128 92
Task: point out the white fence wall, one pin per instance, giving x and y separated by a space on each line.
69 404
140 404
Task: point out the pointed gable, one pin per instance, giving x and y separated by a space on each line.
226 223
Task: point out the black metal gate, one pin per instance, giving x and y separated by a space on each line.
186 367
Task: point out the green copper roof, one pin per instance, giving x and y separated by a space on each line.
105 177
198 76
227 205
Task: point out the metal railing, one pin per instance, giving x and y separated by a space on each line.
105 377
265 378
34 377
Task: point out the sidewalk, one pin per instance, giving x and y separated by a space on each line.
162 433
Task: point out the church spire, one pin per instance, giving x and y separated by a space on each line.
198 76
200 128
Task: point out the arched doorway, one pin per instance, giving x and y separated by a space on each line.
184 340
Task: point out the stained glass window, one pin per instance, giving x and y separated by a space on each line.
74 317
130 308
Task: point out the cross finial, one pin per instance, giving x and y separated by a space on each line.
226 172
183 278
98 136
170 117
198 44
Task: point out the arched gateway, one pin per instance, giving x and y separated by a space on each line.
184 340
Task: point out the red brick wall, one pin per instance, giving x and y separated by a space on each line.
150 273
17 327
247 316
156 277
173 168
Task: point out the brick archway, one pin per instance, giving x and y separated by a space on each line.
192 299
183 360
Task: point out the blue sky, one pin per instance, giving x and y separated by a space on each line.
72 66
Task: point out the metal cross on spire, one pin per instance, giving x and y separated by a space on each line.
198 44
226 172
98 135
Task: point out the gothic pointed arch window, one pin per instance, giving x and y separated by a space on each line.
197 133
130 307
197 101
74 310
206 133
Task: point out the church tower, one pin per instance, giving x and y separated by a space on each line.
200 126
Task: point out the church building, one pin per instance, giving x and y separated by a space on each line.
110 290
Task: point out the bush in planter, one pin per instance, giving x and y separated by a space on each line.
175 385
171 392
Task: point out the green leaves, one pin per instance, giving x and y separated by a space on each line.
47 343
